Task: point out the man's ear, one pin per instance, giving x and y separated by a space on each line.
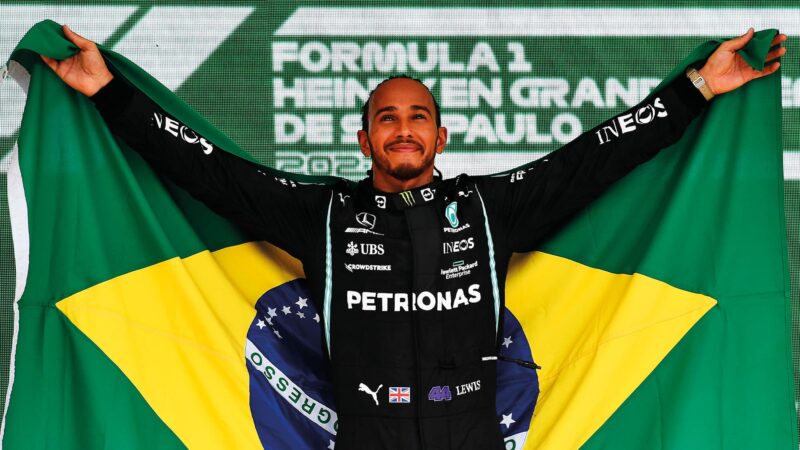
363 142
442 141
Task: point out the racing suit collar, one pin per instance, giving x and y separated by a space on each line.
400 200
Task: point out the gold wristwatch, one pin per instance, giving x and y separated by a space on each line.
699 82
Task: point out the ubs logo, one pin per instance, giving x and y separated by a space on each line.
364 249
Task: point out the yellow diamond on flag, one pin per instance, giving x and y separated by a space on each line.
597 335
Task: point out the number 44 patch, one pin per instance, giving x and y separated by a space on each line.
440 394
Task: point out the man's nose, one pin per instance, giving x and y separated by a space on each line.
404 128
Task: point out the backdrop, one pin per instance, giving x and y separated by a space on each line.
304 70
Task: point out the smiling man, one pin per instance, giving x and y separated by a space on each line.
401 159
408 269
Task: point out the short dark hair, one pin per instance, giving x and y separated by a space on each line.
365 106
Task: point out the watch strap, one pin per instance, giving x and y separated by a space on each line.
699 82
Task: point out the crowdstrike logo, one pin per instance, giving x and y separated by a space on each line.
368 267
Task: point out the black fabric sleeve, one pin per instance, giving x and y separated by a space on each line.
530 202
264 201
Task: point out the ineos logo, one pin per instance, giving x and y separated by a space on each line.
179 130
366 219
458 246
628 122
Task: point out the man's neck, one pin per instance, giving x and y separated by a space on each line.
386 183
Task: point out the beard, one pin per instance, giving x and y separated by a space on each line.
403 171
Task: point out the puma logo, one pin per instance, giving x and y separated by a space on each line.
364 388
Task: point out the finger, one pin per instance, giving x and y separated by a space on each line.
768 70
778 39
79 41
739 42
777 53
52 63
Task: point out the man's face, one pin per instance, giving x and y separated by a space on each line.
403 137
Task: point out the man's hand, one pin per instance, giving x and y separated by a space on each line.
86 72
725 70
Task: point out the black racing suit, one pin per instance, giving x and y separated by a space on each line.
411 284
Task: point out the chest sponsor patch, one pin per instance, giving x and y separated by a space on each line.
363 249
456 230
458 246
425 301
459 269
368 267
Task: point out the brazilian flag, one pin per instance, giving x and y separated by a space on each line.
660 316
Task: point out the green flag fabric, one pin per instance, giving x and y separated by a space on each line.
660 315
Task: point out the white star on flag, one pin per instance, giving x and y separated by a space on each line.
301 302
271 312
302 316
507 420
330 444
507 341
286 310
316 318
260 324
269 320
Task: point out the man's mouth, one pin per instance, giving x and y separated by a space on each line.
405 147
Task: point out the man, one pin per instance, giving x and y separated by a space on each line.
408 269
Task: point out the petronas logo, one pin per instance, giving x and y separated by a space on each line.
450 214
407 197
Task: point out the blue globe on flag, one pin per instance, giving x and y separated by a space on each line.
291 394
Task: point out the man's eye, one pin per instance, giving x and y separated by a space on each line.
420 116
386 118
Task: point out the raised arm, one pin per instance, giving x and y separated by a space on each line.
530 202
266 202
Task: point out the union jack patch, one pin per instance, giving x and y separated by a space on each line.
399 394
